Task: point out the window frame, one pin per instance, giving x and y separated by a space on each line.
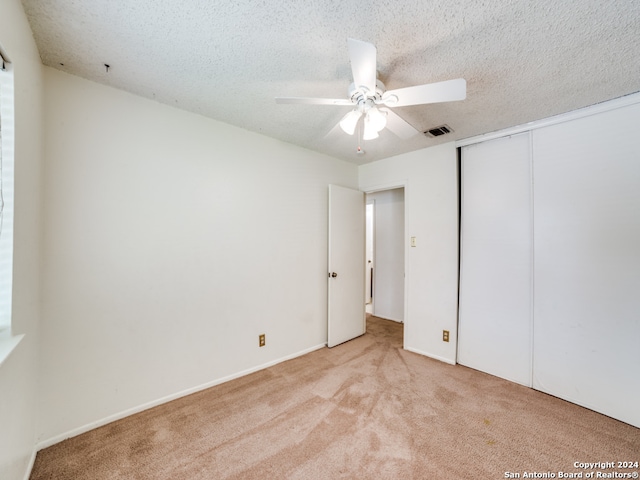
8 341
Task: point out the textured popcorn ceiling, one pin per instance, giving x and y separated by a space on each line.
227 59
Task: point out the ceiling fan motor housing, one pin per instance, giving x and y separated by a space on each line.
363 98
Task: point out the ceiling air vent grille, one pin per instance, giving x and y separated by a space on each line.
437 131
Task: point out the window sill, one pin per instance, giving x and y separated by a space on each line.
8 343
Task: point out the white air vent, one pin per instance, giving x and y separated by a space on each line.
437 131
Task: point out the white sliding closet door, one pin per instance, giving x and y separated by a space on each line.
587 262
494 332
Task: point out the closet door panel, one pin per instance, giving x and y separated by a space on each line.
494 333
587 262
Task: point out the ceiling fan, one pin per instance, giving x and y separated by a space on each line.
369 98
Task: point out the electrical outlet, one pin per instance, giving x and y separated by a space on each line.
262 340
445 335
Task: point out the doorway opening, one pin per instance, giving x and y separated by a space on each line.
385 254
370 218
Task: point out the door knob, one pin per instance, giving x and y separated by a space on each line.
334 274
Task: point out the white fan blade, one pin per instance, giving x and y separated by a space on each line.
399 126
363 63
314 101
447 91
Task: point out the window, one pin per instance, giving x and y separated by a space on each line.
6 195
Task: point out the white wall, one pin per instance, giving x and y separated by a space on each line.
172 242
18 374
389 244
431 198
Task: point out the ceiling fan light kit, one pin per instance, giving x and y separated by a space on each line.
369 98
374 122
349 121
376 118
369 133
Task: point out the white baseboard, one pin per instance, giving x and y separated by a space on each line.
388 318
112 418
32 461
430 355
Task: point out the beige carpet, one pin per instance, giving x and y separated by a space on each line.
366 409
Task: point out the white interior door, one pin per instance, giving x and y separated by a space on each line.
346 308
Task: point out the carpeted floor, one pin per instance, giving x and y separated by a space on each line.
363 410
